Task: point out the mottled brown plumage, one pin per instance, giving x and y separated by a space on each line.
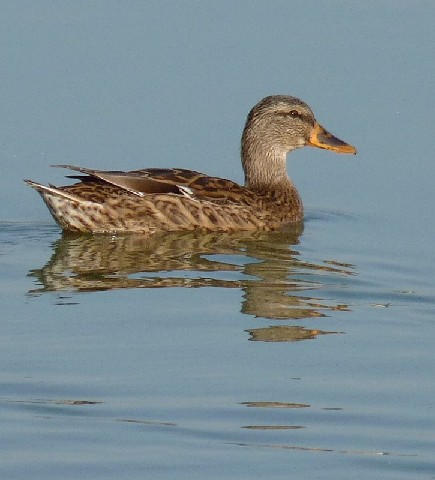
154 199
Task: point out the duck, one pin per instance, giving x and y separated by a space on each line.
154 200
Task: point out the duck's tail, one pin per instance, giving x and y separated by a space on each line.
51 190
70 211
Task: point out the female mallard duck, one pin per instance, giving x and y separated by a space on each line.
155 199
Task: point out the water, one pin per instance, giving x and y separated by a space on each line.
302 356
306 353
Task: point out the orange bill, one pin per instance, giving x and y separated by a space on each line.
321 138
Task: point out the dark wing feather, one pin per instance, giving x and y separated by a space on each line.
164 181
133 182
203 187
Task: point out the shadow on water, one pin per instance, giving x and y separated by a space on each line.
265 265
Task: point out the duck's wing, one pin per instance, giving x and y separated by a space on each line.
175 181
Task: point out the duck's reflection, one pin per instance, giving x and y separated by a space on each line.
284 333
263 265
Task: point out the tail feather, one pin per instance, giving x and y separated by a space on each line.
70 211
52 190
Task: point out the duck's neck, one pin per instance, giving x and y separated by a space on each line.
265 169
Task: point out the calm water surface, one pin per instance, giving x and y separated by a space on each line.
301 354
230 356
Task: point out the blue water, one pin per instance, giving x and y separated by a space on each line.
306 353
260 357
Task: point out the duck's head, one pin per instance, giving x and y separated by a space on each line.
283 123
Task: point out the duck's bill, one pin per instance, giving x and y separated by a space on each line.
321 138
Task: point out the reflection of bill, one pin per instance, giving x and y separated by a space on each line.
284 333
263 265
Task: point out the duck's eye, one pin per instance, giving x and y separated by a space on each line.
294 113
